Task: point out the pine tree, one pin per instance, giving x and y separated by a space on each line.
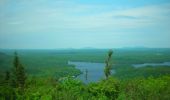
108 66
19 75
7 77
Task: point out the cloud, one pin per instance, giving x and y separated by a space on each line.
64 15
68 21
124 17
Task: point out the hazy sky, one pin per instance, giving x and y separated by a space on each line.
50 24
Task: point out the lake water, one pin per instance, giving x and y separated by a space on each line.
95 71
151 64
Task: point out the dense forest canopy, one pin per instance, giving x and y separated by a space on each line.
45 74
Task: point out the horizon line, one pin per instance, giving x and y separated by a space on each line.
88 48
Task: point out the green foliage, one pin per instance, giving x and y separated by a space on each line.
48 80
128 72
108 66
38 89
69 89
109 89
53 63
148 89
7 93
19 75
7 76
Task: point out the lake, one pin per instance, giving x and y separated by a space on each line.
151 64
95 71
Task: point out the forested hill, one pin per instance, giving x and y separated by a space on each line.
46 75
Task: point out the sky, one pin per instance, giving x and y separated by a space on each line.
52 24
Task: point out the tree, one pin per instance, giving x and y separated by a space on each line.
108 66
19 75
7 75
86 74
